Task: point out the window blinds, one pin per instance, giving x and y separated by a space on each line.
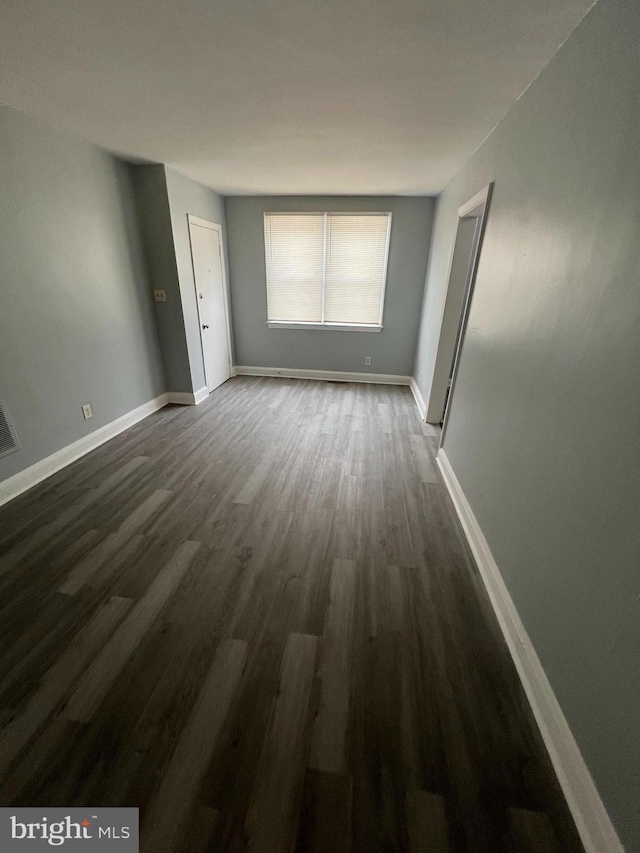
295 261
327 267
355 267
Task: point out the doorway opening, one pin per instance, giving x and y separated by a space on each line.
462 270
211 298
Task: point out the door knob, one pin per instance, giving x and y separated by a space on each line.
205 327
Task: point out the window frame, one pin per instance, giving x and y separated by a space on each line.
323 324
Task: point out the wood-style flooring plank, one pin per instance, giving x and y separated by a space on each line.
144 512
424 464
325 814
60 679
163 824
105 669
117 547
330 724
253 484
121 474
427 823
385 418
271 820
532 832
199 832
103 560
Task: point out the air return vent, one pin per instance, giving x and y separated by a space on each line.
8 438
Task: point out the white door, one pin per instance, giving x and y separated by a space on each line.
206 251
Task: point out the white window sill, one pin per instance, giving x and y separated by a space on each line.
327 327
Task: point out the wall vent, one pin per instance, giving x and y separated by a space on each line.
8 438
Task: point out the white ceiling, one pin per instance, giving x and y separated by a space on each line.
282 96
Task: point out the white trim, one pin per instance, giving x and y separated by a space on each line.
203 393
211 226
422 408
34 474
323 375
591 818
185 398
385 269
323 294
478 199
476 208
326 327
203 223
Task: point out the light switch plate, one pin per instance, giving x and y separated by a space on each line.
160 295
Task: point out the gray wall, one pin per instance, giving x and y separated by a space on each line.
392 350
164 198
188 197
152 201
76 316
544 429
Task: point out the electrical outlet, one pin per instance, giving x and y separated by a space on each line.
160 295
86 411
367 359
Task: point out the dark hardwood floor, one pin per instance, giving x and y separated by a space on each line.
258 621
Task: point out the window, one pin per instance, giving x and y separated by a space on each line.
326 269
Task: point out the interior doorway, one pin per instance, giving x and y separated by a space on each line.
211 298
462 270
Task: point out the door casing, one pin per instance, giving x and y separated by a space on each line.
476 207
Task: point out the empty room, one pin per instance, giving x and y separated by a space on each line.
320 426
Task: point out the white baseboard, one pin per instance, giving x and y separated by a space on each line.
324 375
422 408
592 821
201 395
186 398
34 474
